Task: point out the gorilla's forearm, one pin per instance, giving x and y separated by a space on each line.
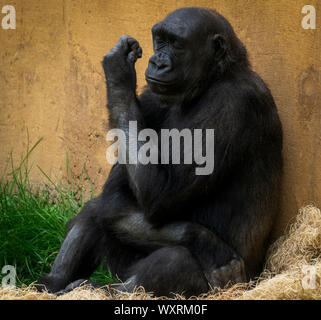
123 107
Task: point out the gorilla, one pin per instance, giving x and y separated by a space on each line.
161 226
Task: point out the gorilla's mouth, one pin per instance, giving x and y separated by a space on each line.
159 82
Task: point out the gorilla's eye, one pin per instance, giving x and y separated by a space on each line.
159 43
177 44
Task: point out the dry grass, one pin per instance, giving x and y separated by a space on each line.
282 278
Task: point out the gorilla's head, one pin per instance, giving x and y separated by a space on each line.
192 46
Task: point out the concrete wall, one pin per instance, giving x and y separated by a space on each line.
51 80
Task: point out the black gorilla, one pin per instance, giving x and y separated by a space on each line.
161 225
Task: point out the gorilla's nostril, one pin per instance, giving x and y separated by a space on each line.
162 66
152 62
159 64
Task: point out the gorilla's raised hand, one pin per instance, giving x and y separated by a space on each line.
119 63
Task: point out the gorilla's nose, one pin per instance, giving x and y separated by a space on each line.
161 62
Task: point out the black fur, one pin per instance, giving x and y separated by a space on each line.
162 226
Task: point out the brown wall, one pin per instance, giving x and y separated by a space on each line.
52 83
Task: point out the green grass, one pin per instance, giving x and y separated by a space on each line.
33 221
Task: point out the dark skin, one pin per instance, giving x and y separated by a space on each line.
161 226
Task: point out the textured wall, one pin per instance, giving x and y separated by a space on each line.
51 80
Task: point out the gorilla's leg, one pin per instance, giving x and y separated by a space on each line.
79 256
89 239
219 262
165 271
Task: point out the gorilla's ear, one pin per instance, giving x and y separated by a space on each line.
219 46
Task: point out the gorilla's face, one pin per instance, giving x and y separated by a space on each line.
182 50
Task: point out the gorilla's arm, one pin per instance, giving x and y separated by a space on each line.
161 189
119 68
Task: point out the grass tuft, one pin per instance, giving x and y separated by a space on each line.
33 221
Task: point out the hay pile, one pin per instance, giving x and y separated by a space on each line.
285 269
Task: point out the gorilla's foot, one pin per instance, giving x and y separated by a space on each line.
79 283
229 274
50 283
